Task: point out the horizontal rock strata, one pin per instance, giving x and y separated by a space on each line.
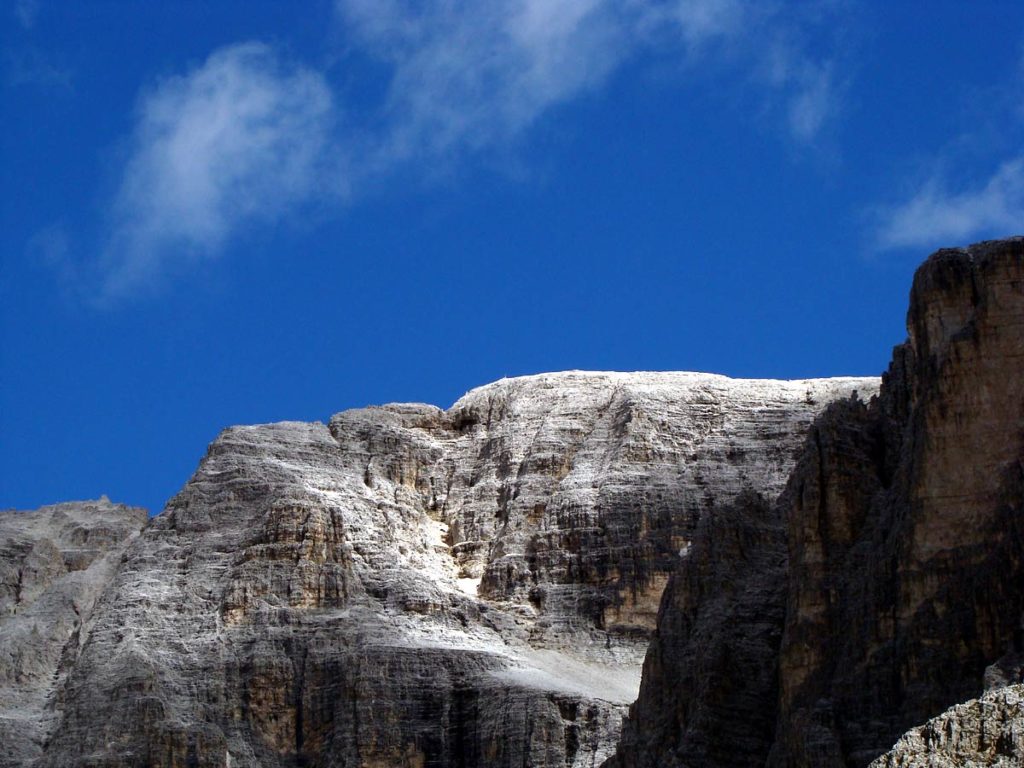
408 586
891 576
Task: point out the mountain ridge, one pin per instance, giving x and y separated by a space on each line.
497 566
816 572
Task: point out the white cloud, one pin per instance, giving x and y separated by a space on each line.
247 137
806 85
467 75
940 213
702 21
812 103
239 139
936 216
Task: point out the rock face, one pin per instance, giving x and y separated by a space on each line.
985 732
709 680
54 564
907 524
414 587
889 574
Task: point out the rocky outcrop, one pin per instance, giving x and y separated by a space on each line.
903 525
55 563
414 587
982 733
907 524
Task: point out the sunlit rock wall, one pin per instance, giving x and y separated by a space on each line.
408 586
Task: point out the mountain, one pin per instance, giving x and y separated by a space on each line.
55 563
810 574
407 586
885 585
980 732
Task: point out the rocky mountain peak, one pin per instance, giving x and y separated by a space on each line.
884 585
806 570
412 586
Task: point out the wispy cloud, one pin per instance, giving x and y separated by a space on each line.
248 137
466 75
984 205
806 86
241 138
27 66
936 214
26 11
24 63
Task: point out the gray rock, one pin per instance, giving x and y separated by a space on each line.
890 577
905 531
55 563
982 733
709 687
416 587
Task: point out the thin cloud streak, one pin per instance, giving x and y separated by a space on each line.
935 214
26 12
469 75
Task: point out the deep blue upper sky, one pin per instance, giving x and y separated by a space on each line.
253 213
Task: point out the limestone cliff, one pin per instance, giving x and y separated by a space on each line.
906 524
408 586
889 574
54 564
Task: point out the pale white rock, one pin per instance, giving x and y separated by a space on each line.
410 586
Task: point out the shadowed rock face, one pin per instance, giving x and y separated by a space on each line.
907 524
890 569
416 587
55 563
709 684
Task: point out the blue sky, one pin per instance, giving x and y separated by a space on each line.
248 212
